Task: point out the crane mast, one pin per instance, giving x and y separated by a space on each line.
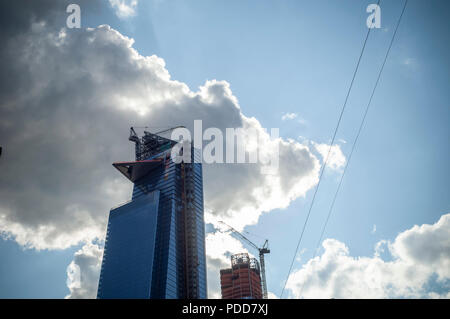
262 251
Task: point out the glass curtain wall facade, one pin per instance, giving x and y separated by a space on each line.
129 249
179 264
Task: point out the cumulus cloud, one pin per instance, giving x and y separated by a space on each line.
69 122
419 268
124 8
84 271
336 159
68 99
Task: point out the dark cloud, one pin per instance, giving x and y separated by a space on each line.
68 98
67 120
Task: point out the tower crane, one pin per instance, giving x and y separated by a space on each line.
133 132
262 250
135 138
169 129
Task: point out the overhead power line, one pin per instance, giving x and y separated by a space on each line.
359 131
327 157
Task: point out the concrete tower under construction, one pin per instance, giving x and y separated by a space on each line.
242 280
155 243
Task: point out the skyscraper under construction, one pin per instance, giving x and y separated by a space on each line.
155 244
242 280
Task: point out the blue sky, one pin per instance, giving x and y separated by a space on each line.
298 57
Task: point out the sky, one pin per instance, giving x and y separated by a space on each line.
69 96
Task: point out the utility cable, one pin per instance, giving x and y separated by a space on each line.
327 157
359 132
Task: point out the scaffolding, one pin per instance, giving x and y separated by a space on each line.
243 260
190 230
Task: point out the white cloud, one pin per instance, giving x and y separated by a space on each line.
289 116
124 8
336 159
78 116
292 116
420 255
84 271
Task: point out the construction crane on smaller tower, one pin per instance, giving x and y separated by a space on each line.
262 250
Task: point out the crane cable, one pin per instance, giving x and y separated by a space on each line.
359 132
326 158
